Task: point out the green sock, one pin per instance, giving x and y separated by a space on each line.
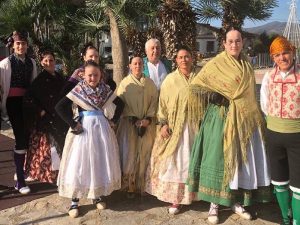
296 208
283 198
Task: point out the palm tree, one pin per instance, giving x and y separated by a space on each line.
90 23
121 13
178 25
233 12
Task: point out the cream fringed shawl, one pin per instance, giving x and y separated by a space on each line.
140 97
172 110
234 79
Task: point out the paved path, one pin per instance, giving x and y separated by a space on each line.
122 211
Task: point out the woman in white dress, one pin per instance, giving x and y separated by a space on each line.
90 166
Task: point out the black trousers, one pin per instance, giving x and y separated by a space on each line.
14 107
284 154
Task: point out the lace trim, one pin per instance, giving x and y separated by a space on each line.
70 191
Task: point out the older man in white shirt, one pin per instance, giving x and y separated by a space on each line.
155 67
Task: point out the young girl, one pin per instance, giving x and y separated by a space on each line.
90 166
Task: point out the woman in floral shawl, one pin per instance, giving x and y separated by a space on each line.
228 164
90 165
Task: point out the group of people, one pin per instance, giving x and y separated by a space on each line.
182 136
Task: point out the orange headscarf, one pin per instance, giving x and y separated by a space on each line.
281 44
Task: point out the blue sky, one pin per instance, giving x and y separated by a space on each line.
280 13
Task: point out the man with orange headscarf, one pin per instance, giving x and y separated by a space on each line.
280 101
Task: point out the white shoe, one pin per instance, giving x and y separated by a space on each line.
100 204
27 178
238 209
23 190
73 211
213 217
174 209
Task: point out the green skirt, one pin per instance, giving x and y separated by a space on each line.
206 169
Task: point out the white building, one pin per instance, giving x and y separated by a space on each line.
207 39
105 46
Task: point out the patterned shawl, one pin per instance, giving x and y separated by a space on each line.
88 98
234 79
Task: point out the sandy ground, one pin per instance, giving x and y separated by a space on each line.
142 210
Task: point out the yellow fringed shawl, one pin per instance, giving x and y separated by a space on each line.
172 109
140 97
234 79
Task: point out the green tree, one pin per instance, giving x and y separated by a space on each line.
48 22
263 42
90 24
233 13
16 15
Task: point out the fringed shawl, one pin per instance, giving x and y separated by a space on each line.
89 99
140 97
234 79
172 110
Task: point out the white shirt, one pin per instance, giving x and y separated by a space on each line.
264 90
5 77
157 73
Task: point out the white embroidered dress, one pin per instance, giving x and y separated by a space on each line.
90 165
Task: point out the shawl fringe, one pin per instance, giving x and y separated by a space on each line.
198 100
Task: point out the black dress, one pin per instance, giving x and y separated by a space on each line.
46 131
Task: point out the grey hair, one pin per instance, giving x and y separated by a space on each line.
156 41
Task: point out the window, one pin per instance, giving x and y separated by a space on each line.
210 46
107 49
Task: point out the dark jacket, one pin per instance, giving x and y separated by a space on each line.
43 94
